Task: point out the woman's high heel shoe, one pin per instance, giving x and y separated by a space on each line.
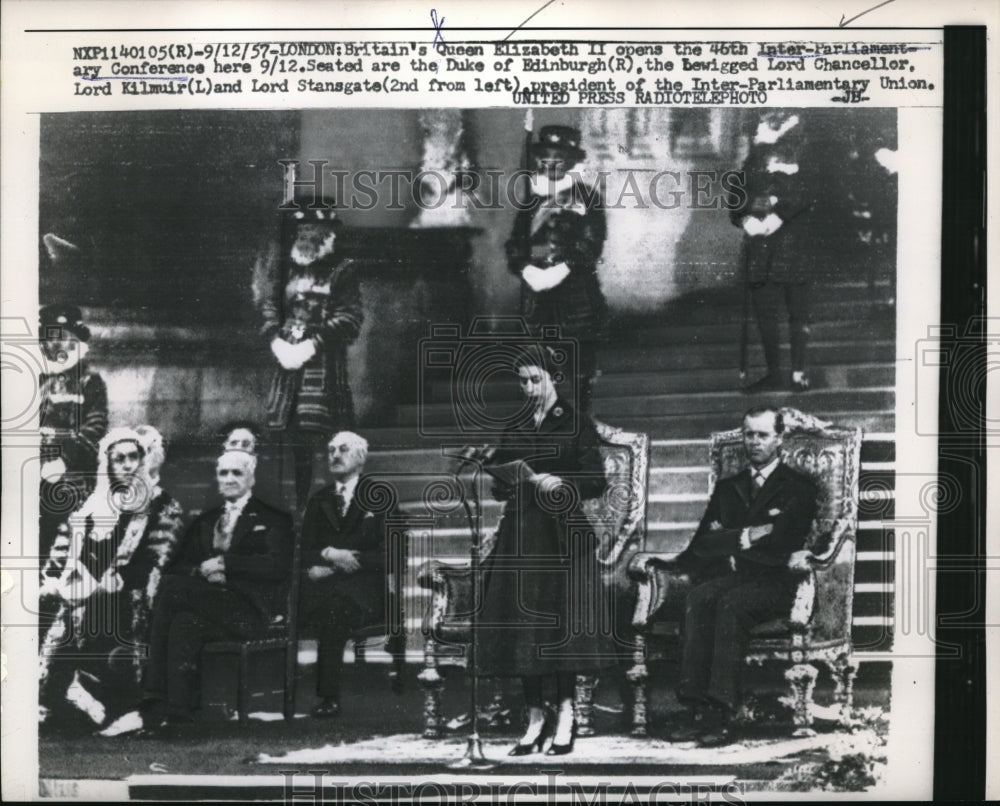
563 749
531 747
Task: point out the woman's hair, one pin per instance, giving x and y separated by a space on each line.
536 355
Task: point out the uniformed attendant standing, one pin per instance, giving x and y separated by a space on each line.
73 418
554 248
311 305
780 194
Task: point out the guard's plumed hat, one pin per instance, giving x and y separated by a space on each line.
306 208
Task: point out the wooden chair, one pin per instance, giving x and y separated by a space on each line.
392 630
619 517
818 627
281 634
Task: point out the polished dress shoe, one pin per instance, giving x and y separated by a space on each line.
563 749
686 733
769 383
691 725
327 709
726 734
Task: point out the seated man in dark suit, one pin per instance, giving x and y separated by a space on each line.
228 582
344 562
739 563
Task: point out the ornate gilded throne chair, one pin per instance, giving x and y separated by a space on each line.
817 630
619 517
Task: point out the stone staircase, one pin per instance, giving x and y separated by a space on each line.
674 377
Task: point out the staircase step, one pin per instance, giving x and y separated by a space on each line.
614 384
871 638
725 327
690 430
681 425
728 403
694 452
677 507
828 302
657 357
684 480
840 377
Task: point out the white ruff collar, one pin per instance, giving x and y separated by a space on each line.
542 186
74 357
766 135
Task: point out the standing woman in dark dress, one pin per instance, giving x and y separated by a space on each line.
545 612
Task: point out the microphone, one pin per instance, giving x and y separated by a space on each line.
473 454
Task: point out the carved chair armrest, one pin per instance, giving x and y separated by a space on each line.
832 538
451 587
662 586
644 563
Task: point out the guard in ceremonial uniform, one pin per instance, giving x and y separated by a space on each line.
554 249
73 418
774 217
310 301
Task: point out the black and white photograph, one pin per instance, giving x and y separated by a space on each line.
392 451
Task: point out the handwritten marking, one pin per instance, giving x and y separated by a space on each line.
844 22
530 18
135 78
437 28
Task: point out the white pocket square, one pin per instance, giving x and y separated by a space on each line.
773 513
260 528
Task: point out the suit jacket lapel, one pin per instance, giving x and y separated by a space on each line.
329 505
743 485
554 418
353 514
207 534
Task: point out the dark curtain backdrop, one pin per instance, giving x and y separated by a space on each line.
168 209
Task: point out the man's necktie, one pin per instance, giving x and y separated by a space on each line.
758 482
340 501
224 529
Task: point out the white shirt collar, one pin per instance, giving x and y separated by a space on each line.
766 471
237 505
346 488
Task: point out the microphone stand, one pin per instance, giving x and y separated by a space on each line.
473 759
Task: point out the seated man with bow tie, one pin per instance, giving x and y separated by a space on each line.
229 581
739 563
344 562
